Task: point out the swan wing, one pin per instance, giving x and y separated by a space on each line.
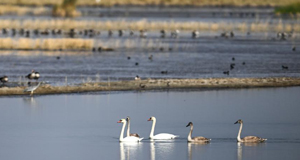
131 139
134 135
253 139
200 139
165 136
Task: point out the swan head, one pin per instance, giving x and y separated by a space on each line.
239 121
151 119
190 124
122 121
127 118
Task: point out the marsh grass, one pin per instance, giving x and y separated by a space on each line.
67 24
46 44
66 9
20 10
157 2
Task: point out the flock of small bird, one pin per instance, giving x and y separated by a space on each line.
232 65
138 78
34 75
142 33
87 32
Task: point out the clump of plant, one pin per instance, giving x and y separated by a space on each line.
66 9
289 9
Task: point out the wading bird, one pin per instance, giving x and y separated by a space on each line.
32 88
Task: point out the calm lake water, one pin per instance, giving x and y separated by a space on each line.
84 126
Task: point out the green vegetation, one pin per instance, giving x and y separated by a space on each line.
289 9
66 9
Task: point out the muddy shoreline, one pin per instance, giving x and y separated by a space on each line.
158 84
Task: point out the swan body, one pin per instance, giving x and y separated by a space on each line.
127 139
162 136
196 139
128 129
251 139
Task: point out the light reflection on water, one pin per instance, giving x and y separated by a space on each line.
81 126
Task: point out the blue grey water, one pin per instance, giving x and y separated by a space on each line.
84 126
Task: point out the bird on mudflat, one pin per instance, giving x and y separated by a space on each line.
4 79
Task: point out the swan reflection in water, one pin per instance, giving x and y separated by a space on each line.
199 147
128 149
249 149
163 148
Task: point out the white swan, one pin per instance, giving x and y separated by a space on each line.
196 139
127 139
161 135
252 139
128 129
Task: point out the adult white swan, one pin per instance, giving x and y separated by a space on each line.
161 135
196 139
128 129
127 139
252 139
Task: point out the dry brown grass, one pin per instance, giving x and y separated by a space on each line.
150 25
151 84
18 10
157 2
46 44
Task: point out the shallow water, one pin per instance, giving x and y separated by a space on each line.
83 126
201 58
183 57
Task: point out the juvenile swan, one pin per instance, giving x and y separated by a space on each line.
161 135
196 139
128 129
252 139
127 139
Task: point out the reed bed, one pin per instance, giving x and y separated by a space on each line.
156 2
20 10
67 24
46 44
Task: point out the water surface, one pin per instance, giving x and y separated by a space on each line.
83 126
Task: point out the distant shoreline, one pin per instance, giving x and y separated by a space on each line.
159 84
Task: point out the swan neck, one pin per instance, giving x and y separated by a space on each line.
239 134
190 134
128 128
152 129
122 131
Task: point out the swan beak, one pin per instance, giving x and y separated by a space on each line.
119 121
236 122
149 119
187 125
